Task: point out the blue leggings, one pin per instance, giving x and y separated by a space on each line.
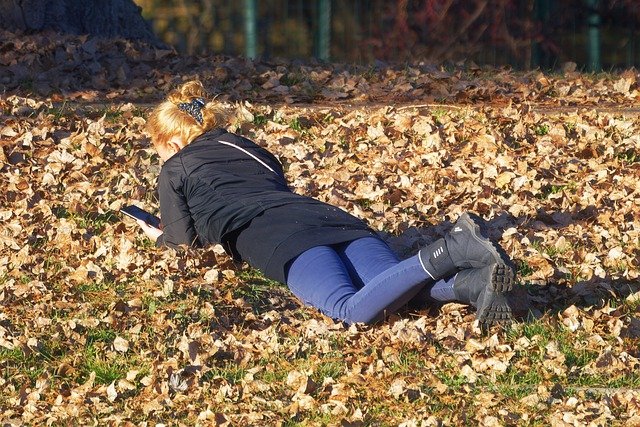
357 281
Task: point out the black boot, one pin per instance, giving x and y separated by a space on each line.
436 261
465 246
486 289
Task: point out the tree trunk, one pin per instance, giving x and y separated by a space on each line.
106 18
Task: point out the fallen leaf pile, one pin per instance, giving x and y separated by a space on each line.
67 67
98 326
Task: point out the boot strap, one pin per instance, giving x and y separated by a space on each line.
438 259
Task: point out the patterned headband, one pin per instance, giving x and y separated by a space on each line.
193 108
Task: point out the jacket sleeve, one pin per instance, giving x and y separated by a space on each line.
176 218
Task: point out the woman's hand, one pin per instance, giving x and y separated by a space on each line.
151 232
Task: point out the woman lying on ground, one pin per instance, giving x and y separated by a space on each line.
218 187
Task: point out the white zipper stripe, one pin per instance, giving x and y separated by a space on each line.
246 152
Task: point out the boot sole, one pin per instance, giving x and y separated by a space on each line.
495 308
476 224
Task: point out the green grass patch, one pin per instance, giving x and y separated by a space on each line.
60 211
150 304
91 287
409 361
541 129
260 120
455 381
328 369
536 329
272 374
25 279
622 381
364 203
106 368
50 349
180 314
548 190
517 383
551 251
230 371
570 127
523 267
144 243
438 115
576 357
94 221
255 289
16 363
299 125
254 276
573 345
629 156
100 335
328 118
101 293
253 293
312 418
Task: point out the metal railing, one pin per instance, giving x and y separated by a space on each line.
524 34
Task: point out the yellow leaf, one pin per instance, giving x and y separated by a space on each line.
504 179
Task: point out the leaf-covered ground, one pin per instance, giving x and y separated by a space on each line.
99 327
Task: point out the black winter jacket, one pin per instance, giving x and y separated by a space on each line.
215 186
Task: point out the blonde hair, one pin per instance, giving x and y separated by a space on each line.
168 120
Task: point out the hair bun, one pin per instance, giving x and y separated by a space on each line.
186 113
187 92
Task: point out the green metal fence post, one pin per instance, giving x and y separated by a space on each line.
594 36
323 30
250 17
